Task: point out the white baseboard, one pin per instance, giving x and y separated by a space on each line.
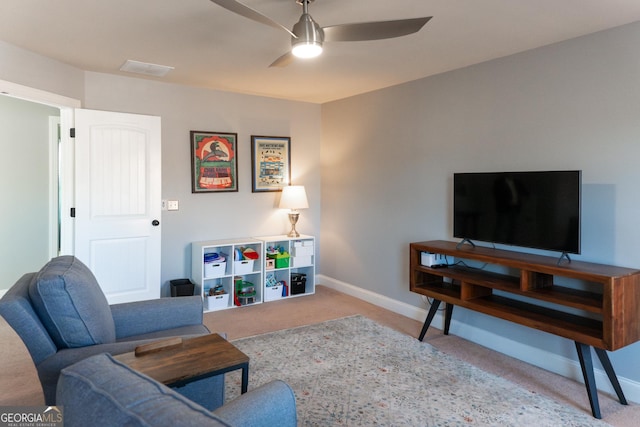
541 358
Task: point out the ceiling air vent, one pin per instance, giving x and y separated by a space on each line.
145 68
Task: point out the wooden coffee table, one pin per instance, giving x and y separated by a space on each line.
177 361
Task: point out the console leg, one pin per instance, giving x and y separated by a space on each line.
584 354
432 312
448 311
608 368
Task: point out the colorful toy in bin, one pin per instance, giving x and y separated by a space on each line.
270 264
250 253
214 257
245 291
217 290
245 253
280 256
271 281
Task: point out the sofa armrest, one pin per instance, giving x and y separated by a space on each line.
16 308
143 317
268 405
102 391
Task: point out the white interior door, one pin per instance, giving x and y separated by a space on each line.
117 202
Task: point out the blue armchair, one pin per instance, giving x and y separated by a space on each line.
102 391
62 316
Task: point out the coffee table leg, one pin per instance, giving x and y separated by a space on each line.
245 378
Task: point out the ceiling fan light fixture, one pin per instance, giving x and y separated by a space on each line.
307 50
308 39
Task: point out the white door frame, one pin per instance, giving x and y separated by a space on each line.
66 106
54 161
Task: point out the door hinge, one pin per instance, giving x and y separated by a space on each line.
72 132
72 213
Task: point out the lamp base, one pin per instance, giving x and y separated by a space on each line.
293 219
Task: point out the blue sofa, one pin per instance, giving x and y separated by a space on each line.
62 316
102 391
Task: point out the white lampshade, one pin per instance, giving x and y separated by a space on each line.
294 197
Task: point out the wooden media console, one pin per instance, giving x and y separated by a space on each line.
606 316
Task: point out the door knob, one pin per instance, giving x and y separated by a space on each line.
155 223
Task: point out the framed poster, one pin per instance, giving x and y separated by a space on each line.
270 163
214 164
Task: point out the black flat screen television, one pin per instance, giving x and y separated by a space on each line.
538 210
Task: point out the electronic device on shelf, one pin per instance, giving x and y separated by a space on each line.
538 210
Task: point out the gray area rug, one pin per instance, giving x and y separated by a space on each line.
355 372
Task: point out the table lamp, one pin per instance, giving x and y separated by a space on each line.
293 197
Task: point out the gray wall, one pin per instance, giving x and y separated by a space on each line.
207 216
24 186
388 158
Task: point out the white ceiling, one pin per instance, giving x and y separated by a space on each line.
214 48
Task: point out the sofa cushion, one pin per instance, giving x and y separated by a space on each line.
67 298
102 391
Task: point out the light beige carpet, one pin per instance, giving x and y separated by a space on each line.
354 371
19 384
329 304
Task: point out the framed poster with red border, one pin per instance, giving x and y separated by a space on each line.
214 162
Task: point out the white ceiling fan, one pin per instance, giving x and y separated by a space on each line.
307 36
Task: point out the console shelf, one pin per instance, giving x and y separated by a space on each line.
578 299
605 316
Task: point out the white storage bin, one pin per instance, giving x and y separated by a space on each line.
273 293
216 302
301 261
214 269
243 267
302 251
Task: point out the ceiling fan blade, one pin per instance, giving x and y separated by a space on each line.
284 60
373 30
252 14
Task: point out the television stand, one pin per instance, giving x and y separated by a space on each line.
610 318
563 256
465 240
